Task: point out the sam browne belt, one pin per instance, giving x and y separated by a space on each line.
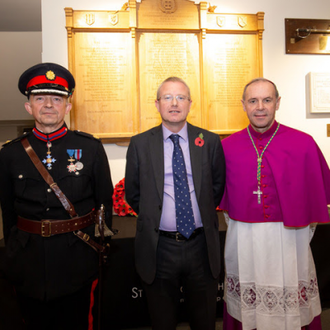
47 228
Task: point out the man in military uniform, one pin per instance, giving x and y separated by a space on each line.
53 269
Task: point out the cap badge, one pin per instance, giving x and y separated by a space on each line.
50 75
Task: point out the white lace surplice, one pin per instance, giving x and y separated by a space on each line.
270 276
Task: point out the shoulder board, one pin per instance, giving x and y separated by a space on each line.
9 142
90 136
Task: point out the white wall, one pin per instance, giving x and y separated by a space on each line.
19 51
287 71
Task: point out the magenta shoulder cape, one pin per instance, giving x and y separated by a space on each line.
300 173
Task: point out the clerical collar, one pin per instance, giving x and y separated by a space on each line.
266 134
51 136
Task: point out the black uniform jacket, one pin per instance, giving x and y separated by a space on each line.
50 267
144 187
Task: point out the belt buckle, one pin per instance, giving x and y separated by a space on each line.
43 226
86 237
178 239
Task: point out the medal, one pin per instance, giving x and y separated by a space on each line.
74 154
78 155
71 167
79 166
49 160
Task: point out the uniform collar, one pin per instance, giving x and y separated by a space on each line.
51 136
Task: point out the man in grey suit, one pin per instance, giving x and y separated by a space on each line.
175 176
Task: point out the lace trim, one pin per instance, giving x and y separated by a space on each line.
271 299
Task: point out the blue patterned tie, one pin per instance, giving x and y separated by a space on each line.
184 214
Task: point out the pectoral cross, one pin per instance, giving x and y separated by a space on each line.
259 193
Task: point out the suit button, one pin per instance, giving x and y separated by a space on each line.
156 230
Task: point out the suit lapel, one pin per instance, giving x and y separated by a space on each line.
157 158
196 154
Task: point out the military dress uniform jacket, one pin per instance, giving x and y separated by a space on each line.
50 267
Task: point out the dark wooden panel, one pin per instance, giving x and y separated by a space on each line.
310 41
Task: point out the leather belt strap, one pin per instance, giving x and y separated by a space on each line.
86 238
47 228
179 237
47 177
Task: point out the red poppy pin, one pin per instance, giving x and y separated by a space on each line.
199 141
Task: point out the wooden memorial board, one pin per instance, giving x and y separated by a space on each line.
119 58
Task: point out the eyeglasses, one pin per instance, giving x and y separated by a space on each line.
169 98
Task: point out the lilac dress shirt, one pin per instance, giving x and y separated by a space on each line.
168 218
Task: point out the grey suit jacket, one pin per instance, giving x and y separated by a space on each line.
144 187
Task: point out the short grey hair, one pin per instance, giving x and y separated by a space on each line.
256 80
173 79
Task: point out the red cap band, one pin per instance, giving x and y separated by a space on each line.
43 80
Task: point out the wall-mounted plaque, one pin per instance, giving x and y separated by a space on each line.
119 58
319 92
307 36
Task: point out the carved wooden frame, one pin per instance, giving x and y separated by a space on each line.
212 86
